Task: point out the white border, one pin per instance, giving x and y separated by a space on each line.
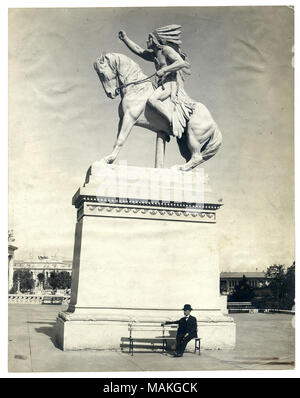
3 161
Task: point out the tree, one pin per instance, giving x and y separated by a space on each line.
282 284
60 280
289 299
243 291
64 280
24 279
276 273
41 279
52 281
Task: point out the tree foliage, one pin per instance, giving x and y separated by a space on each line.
276 273
290 286
24 279
60 280
243 291
280 292
282 284
41 279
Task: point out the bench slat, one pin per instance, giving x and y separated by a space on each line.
147 330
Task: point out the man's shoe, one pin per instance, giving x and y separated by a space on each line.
177 355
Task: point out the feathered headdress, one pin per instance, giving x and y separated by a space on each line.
170 33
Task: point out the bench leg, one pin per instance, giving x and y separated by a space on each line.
197 346
164 347
131 346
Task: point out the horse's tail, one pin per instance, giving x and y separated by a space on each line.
212 145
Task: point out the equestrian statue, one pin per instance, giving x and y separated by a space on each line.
163 106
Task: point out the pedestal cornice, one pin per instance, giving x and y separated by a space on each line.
132 208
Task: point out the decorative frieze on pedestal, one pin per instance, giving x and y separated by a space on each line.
139 210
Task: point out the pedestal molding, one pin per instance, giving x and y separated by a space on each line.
80 197
79 307
217 318
165 213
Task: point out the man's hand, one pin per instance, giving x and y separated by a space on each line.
122 35
160 72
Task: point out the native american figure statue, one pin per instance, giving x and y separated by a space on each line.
163 107
163 48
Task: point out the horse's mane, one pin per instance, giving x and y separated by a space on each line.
128 70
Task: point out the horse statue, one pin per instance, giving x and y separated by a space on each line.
120 75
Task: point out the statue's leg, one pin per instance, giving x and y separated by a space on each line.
155 100
126 126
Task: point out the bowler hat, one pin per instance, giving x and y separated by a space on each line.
187 307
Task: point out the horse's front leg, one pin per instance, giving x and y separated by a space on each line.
126 126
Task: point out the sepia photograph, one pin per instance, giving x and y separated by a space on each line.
151 214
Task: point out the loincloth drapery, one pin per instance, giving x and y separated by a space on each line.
182 106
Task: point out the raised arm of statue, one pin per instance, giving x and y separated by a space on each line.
146 54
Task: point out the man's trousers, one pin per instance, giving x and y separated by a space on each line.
182 341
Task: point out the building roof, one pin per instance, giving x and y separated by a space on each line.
45 264
241 274
44 261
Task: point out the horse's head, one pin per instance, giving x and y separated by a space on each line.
115 70
106 68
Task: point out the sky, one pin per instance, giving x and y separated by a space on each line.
60 120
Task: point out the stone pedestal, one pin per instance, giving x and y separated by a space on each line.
144 246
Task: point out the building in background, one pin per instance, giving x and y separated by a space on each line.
41 269
229 280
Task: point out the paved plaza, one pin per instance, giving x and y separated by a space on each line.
264 341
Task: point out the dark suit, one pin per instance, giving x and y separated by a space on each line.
187 330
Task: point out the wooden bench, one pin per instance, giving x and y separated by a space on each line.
142 327
52 300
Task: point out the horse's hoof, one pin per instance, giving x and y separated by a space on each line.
108 159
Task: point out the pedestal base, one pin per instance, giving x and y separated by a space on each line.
84 332
141 257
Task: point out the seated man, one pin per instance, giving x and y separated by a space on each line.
187 330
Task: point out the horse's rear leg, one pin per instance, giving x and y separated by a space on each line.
194 146
202 148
